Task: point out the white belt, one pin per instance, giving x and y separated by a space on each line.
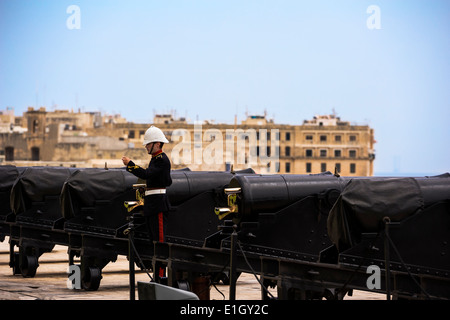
155 191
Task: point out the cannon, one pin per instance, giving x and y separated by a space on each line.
91 203
400 225
8 174
36 226
282 215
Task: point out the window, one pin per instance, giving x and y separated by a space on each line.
131 134
337 153
34 154
352 153
287 151
308 167
352 138
323 153
323 167
309 152
352 167
337 138
288 136
288 167
9 154
35 126
255 151
309 137
323 138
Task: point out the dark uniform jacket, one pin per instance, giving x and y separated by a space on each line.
157 176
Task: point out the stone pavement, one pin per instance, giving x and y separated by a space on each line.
50 282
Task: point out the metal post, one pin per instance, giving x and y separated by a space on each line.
131 257
234 238
12 260
387 257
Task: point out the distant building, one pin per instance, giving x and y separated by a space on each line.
69 138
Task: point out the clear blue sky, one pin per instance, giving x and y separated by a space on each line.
212 59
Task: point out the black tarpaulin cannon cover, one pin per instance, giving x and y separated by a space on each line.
36 183
8 174
363 204
83 188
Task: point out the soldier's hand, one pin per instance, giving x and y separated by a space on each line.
125 160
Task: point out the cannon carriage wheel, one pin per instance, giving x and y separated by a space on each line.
91 278
24 263
28 266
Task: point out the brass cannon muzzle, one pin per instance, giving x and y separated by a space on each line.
232 196
140 193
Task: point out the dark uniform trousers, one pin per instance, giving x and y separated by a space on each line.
156 228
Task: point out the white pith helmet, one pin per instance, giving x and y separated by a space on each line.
154 134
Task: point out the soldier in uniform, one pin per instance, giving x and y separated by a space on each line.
157 176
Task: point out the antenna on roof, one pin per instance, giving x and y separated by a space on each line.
333 112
